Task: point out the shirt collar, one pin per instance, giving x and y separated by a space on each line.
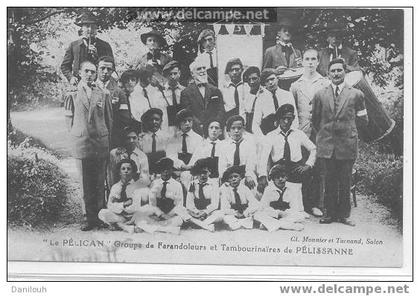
235 85
168 87
279 131
129 182
210 141
285 44
340 86
333 47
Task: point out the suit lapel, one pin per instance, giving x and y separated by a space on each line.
343 98
83 96
330 98
281 54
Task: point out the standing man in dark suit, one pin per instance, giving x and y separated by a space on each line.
120 111
88 48
338 110
336 50
282 55
89 118
203 99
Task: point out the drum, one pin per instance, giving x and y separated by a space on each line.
380 124
288 77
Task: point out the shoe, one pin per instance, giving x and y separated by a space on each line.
316 212
326 220
346 221
87 226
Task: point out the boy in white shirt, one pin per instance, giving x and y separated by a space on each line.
124 200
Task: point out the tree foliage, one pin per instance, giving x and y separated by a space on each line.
29 27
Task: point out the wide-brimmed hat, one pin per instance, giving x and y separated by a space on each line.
239 169
86 19
144 36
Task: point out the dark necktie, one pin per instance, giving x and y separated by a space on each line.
236 96
146 96
336 95
237 197
213 149
163 192
287 53
153 142
184 143
174 102
275 101
201 191
286 150
236 158
123 195
211 60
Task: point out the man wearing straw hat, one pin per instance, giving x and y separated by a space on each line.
89 47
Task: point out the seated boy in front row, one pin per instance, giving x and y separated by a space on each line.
124 198
272 203
239 206
203 197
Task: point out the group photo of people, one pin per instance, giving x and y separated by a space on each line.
169 145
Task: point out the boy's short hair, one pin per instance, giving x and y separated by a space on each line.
249 71
183 114
126 160
164 163
87 62
127 75
278 170
107 59
234 118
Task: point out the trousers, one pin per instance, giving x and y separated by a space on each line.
92 184
338 179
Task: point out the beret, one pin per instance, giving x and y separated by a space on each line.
148 114
283 109
239 169
267 72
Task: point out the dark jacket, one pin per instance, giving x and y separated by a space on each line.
210 107
77 53
336 133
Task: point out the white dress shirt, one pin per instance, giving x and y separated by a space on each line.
265 106
193 141
204 150
115 204
139 104
206 58
146 141
173 191
274 147
138 156
211 192
227 199
228 92
247 155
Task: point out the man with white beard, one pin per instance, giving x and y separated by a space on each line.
204 100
